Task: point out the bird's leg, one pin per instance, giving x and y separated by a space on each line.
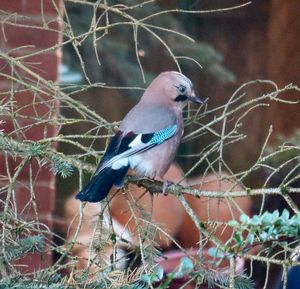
166 185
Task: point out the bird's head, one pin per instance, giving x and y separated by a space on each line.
172 88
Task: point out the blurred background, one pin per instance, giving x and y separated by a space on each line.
258 41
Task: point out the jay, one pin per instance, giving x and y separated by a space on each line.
148 137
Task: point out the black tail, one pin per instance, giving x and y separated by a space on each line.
99 186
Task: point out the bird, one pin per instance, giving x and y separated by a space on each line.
148 137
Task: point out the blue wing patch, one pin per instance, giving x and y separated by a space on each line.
133 144
162 135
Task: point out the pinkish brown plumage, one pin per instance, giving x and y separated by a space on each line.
148 138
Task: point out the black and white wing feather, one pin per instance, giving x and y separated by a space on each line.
115 162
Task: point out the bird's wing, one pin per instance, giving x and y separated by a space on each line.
121 147
148 118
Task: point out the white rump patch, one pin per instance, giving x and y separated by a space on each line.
141 166
119 164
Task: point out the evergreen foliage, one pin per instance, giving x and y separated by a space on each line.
120 35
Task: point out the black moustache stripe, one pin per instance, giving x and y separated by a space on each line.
181 97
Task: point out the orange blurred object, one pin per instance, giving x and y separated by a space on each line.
85 234
128 211
212 209
167 212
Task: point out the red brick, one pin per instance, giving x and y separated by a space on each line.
44 196
5 85
5 68
41 173
17 36
44 193
43 64
39 131
29 130
36 132
33 262
29 12
31 104
45 204
30 6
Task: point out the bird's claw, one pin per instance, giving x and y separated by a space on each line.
166 185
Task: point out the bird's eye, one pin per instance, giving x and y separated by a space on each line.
181 88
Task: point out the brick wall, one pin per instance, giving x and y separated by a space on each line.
18 40
284 61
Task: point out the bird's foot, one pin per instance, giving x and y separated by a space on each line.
166 185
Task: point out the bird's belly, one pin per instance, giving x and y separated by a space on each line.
141 166
156 161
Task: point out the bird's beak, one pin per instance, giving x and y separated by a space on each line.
196 99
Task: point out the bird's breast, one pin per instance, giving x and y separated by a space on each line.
142 165
156 161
